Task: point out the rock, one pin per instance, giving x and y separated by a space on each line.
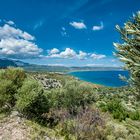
14 113
48 83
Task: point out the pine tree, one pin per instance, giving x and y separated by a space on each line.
128 50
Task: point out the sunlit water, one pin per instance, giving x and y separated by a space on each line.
107 78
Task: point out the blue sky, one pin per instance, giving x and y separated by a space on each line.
63 32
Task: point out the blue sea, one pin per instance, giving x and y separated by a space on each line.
106 78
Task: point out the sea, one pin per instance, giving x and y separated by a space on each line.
106 78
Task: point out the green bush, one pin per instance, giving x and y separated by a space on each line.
6 93
11 80
115 107
31 101
16 75
120 114
134 115
73 95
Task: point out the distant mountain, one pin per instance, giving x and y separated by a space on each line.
4 63
43 68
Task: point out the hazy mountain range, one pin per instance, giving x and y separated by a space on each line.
4 63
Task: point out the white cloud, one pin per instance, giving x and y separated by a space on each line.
10 22
97 28
16 43
97 56
54 51
18 48
8 31
82 55
68 53
78 25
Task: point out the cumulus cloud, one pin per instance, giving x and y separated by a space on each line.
54 51
8 31
68 53
78 25
18 48
97 28
16 43
82 55
97 56
10 22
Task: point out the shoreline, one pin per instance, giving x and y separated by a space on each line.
92 82
71 71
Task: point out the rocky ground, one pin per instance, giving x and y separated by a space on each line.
14 128
48 83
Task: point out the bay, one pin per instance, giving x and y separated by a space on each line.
106 78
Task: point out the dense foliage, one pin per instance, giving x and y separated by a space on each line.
10 81
129 50
31 100
73 95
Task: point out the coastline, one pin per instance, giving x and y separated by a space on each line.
102 83
93 83
71 71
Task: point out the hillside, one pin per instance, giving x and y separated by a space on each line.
55 106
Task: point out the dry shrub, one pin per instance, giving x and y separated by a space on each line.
86 125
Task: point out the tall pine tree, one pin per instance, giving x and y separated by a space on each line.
129 50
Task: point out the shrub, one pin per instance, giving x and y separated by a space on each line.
6 93
72 96
11 80
87 124
31 101
134 115
115 107
16 75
